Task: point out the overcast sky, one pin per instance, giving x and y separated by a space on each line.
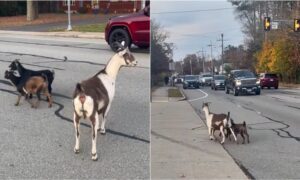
192 31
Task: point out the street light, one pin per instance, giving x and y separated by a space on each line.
69 16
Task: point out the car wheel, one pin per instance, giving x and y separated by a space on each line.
269 87
119 35
276 87
235 92
226 90
143 47
257 92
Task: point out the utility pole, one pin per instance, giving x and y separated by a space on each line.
203 69
212 63
191 67
222 56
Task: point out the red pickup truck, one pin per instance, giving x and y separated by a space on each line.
133 29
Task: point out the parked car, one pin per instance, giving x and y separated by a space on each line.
205 79
242 81
191 81
218 82
133 29
178 80
268 80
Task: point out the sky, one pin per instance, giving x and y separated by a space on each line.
192 31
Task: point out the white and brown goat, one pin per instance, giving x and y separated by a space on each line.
215 122
93 97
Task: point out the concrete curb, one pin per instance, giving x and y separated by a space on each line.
184 97
72 34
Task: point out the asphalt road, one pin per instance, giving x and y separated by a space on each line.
273 120
38 143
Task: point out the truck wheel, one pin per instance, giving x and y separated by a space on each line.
257 92
235 92
226 90
119 35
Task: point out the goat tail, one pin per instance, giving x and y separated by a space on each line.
79 88
228 116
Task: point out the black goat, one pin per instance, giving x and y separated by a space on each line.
25 74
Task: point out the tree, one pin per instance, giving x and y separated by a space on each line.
161 53
32 10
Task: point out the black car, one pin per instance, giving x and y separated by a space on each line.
242 81
191 81
218 82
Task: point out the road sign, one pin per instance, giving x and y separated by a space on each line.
274 25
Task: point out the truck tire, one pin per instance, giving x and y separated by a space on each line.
235 92
226 90
119 35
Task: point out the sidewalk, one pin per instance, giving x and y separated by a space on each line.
73 34
180 146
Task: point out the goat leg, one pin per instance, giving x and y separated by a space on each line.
18 100
49 98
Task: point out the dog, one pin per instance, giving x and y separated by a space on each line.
237 129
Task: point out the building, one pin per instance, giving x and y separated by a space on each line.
106 6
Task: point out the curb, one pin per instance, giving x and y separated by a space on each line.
72 34
184 97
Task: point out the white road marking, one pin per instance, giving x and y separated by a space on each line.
205 96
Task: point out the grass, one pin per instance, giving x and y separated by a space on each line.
174 93
84 28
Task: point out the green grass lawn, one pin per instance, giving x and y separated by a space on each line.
174 93
84 28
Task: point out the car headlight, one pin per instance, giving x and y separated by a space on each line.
238 82
258 81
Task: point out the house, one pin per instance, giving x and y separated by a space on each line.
106 6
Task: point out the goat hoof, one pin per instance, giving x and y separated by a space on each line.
50 106
16 104
94 157
102 131
76 151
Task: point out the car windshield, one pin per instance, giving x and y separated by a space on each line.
219 77
244 74
189 78
207 75
271 76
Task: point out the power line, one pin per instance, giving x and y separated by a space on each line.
192 11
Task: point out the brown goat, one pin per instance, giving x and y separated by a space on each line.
36 85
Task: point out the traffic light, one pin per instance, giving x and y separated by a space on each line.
297 25
267 23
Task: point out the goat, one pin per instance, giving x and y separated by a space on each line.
215 122
236 129
27 73
34 85
93 97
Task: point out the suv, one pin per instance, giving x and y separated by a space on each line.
132 29
218 82
242 81
191 81
206 79
268 80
